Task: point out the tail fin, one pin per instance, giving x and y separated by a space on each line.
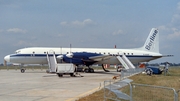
152 42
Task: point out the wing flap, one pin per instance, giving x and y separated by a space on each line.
100 58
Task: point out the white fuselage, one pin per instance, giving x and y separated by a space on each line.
38 55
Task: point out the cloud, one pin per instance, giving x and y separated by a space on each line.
64 23
77 23
176 19
176 16
175 25
162 27
20 43
175 34
23 43
16 30
119 32
172 29
60 35
178 6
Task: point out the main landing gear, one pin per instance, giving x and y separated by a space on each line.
89 70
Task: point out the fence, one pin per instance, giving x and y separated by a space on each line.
143 92
118 90
130 72
139 92
178 94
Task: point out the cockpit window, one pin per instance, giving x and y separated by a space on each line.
17 52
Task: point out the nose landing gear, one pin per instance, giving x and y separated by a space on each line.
23 70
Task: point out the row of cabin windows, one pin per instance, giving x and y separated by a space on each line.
95 52
118 53
110 53
100 53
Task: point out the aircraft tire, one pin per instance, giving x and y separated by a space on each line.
86 70
91 70
149 71
47 71
72 75
59 75
118 70
22 70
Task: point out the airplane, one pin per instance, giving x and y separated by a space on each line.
89 56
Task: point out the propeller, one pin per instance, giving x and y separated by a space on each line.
70 54
60 56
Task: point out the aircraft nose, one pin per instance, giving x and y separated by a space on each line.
7 58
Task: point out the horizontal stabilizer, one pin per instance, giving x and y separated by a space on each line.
167 55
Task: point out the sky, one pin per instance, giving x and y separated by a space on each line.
89 24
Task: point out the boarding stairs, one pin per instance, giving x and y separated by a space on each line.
52 62
125 62
60 68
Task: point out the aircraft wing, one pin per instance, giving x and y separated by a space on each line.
100 58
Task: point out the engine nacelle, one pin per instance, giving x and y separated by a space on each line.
60 57
70 55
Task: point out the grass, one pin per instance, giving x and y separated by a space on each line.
172 80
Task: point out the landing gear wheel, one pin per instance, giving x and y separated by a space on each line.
59 75
89 70
72 75
149 71
22 70
86 70
47 71
119 69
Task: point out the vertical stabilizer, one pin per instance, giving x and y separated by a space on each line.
152 42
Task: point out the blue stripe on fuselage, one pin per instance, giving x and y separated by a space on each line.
78 55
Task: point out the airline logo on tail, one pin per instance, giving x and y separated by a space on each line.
152 38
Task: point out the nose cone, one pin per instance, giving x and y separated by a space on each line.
7 58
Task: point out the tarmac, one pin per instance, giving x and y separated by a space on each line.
39 86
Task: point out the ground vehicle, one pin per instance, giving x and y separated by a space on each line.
65 69
155 70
